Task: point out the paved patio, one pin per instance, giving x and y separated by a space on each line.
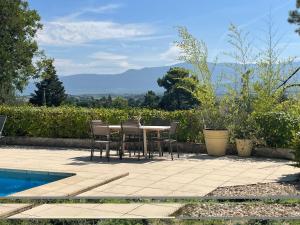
96 211
191 175
7 210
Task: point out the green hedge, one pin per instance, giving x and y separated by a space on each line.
276 128
73 122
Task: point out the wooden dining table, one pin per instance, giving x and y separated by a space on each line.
145 129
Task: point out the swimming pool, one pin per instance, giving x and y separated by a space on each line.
12 181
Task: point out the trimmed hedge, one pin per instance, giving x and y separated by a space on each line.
277 128
73 122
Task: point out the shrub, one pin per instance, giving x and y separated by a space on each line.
276 128
73 122
297 149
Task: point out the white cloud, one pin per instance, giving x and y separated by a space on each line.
171 55
108 56
100 63
97 10
81 32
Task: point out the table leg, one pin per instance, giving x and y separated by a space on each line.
145 143
158 143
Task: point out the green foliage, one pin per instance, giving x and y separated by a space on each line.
294 16
18 46
297 148
276 128
73 122
214 118
181 89
50 91
119 103
242 125
195 52
151 100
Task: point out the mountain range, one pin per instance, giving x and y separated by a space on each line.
133 81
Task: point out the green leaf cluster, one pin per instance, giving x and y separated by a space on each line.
18 46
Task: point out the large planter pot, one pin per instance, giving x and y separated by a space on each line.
216 141
244 147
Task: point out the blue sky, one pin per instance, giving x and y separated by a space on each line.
112 36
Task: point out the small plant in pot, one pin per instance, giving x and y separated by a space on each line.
244 134
216 135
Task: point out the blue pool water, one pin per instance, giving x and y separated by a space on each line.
12 181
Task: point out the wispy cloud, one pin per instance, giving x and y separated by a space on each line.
108 56
80 32
74 29
69 67
97 10
98 63
171 55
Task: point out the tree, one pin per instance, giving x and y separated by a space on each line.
18 46
195 52
120 103
181 89
50 91
294 16
151 100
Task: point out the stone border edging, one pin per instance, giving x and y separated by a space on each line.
98 185
17 211
25 208
184 147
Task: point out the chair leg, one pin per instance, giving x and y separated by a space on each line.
171 150
92 150
140 149
108 151
92 153
101 151
121 147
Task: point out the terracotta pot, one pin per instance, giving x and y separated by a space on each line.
244 147
216 141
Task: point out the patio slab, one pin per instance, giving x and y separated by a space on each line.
190 175
11 209
97 211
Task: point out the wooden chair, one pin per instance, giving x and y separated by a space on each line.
100 135
132 135
169 138
2 123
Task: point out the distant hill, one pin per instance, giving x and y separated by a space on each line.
130 82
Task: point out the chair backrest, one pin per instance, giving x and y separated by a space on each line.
159 122
131 127
2 123
99 128
173 128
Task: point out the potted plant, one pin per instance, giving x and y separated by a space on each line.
216 134
244 133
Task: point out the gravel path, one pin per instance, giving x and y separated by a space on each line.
258 190
245 209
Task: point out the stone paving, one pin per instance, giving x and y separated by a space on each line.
7 209
191 175
97 211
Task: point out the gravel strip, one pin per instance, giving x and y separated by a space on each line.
246 209
258 190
